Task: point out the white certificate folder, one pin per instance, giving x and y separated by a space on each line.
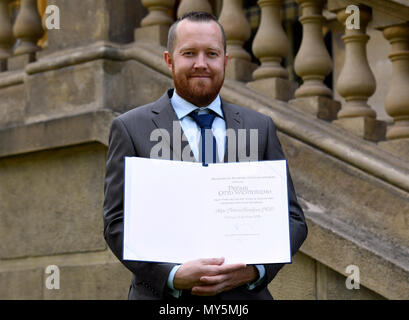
177 211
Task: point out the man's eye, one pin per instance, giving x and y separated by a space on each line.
213 54
188 53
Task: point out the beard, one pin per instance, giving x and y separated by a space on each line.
200 92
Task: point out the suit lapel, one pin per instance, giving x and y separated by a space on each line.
166 121
234 122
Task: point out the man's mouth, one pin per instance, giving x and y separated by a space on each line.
200 76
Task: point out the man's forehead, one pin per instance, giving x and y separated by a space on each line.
187 29
187 22
187 33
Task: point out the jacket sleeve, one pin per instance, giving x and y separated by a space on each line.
298 226
151 275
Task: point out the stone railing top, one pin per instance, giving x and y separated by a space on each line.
398 9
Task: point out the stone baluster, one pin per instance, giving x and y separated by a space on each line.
356 82
28 27
313 64
28 30
155 26
237 30
193 5
157 12
6 34
397 99
270 46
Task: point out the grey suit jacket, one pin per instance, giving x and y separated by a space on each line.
130 136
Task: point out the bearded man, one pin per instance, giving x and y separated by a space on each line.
196 55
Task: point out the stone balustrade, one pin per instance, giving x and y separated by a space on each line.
355 82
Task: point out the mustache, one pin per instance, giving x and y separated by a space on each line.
200 75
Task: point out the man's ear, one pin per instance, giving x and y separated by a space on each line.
226 59
168 59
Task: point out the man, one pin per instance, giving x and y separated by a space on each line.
196 56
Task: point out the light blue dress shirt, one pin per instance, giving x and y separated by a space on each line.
192 132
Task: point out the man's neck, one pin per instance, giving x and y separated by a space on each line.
195 104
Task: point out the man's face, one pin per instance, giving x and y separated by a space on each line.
198 61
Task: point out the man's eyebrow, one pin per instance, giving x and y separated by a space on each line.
195 49
186 48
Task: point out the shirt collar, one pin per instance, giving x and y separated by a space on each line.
183 108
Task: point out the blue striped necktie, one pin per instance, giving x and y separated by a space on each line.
207 140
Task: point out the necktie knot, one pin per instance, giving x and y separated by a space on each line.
204 121
208 152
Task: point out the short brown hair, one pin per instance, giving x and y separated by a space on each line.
196 16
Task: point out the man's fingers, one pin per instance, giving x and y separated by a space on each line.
227 268
206 290
190 272
211 290
213 261
209 280
213 284
213 270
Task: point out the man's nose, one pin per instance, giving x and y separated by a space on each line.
200 61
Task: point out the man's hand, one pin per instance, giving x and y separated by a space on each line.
212 285
191 273
208 277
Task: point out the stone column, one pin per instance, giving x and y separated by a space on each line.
356 82
313 64
397 99
270 46
28 29
6 34
237 30
155 26
193 5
